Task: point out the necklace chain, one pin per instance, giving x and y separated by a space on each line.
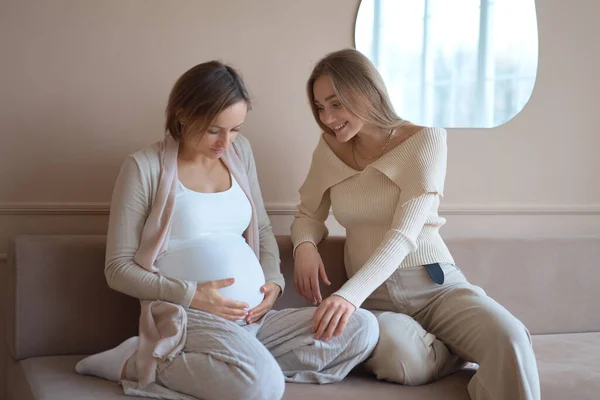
355 150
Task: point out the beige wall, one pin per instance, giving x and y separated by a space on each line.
84 82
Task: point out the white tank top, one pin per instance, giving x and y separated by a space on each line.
206 242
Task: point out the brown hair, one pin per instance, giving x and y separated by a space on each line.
200 95
359 87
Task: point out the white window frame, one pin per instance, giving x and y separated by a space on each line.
486 80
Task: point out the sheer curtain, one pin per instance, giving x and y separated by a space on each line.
459 63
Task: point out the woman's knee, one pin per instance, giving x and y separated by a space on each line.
365 324
209 377
261 380
269 384
509 333
406 353
397 362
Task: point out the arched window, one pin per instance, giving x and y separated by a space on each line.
458 63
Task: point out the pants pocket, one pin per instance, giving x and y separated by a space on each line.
453 274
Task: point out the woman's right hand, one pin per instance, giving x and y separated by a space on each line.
207 298
308 267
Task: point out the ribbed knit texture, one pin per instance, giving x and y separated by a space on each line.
389 210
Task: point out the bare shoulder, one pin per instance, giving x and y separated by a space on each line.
406 132
413 129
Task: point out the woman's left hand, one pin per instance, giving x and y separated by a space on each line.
331 317
271 291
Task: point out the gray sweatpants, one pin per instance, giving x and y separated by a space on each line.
420 321
223 360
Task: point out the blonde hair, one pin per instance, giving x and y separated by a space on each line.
199 96
359 87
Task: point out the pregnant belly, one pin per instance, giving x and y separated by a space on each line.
218 258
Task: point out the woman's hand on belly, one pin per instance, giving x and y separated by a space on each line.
271 291
207 298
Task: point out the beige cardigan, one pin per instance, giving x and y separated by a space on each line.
138 232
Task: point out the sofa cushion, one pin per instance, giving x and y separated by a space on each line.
54 378
58 301
548 283
568 365
551 284
453 387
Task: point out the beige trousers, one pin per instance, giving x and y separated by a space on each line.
420 321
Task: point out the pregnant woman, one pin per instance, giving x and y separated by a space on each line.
189 236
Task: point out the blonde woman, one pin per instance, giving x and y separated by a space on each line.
384 178
189 236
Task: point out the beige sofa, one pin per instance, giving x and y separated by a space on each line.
60 308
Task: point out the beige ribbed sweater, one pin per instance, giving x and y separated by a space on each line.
389 210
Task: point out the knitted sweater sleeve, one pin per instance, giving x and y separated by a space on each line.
420 173
315 201
130 205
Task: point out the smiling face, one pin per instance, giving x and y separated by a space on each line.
347 96
332 113
221 132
